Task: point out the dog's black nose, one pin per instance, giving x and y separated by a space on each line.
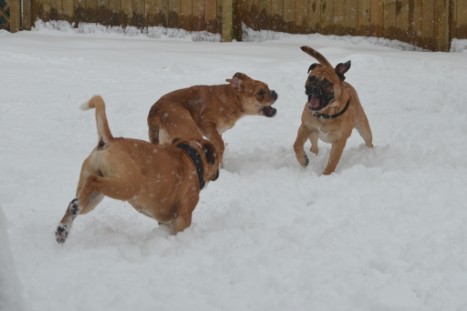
274 95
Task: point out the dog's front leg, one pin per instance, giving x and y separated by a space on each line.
302 135
335 155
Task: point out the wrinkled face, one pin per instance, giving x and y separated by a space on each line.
255 95
320 87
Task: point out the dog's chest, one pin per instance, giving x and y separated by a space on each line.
327 131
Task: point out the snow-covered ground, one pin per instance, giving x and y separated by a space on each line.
387 231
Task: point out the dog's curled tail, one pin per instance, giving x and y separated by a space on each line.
103 130
316 55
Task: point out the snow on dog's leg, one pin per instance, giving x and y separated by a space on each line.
64 226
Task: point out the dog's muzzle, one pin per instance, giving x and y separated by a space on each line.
270 111
319 94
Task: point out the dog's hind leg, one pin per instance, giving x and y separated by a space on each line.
363 128
74 209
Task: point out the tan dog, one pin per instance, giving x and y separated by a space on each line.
162 182
209 110
332 111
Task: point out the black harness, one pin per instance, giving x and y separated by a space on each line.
333 116
196 158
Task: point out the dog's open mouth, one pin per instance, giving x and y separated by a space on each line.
314 103
269 111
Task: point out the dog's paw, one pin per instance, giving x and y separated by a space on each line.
314 149
304 161
61 234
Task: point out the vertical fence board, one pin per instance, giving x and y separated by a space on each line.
364 18
441 32
461 19
199 14
338 17
27 15
68 10
227 7
314 13
352 17
56 10
264 14
428 22
15 15
389 23
289 15
137 14
210 11
301 15
403 28
377 18
327 16
186 14
277 15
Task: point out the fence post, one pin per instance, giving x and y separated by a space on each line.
15 15
227 20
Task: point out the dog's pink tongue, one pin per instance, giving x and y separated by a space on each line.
313 102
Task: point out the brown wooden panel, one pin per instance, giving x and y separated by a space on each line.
56 10
403 20
364 18
15 15
289 15
314 13
210 15
68 9
27 15
138 14
377 18
441 25
227 10
390 19
277 12
352 17
199 12
301 16
186 14
162 12
264 14
327 16
339 16
428 23
460 24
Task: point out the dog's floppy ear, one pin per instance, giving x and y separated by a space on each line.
237 80
341 69
312 66
210 153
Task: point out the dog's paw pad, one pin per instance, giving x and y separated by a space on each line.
61 234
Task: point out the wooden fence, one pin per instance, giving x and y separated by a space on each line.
430 24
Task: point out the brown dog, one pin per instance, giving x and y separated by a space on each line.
332 111
162 182
209 110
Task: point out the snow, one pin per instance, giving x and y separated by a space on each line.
387 231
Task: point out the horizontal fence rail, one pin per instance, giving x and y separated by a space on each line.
430 24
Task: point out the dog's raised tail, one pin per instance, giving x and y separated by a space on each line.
103 130
317 55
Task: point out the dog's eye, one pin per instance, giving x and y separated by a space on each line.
261 93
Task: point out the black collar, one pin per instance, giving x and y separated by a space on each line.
333 116
195 157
